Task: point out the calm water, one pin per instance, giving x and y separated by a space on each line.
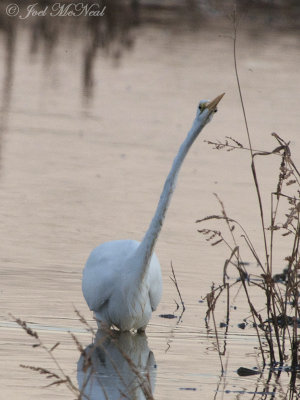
88 135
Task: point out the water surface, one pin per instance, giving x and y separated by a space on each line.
87 139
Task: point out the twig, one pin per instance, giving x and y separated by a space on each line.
60 379
235 27
174 280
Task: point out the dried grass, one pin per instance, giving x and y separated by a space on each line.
277 323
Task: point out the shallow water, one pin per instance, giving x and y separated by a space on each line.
82 164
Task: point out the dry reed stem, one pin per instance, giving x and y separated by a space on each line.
61 378
174 280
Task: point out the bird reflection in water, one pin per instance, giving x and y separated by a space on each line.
117 365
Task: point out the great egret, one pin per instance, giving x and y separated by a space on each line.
122 281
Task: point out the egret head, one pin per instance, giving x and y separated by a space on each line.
207 108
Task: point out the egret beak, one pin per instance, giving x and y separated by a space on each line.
212 105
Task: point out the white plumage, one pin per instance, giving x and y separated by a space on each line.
122 281
111 285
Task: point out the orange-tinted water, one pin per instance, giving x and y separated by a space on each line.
76 172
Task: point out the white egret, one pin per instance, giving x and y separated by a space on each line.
122 281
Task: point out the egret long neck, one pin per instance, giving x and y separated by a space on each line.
145 250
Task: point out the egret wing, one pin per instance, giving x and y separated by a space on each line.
155 282
102 273
99 277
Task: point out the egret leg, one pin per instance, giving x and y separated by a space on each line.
142 329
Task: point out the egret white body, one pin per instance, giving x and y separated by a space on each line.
112 285
122 281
